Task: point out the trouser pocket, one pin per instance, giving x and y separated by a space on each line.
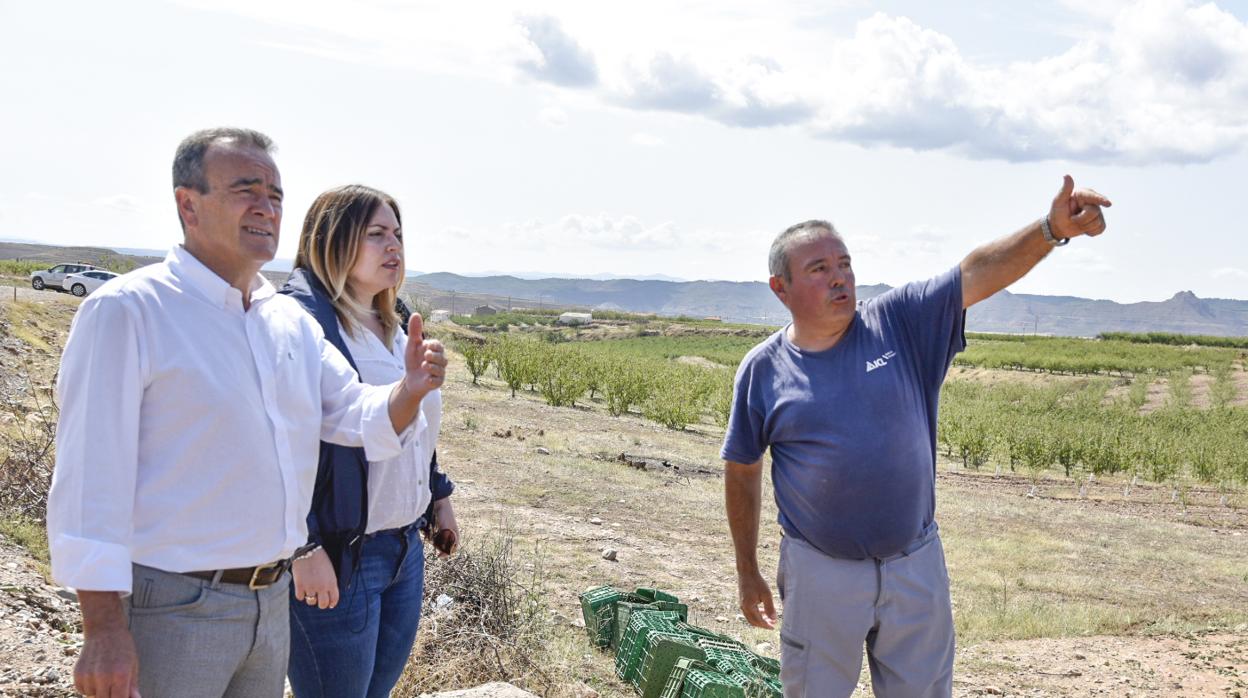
794 658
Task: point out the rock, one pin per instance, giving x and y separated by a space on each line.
992 691
543 450
580 690
762 647
67 594
740 617
578 622
609 554
596 521
1079 656
721 619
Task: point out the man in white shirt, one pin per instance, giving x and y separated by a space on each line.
195 400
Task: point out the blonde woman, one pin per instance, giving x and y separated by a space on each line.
357 598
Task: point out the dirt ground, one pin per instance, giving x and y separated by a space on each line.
1060 588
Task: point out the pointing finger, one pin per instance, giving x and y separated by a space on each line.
1089 197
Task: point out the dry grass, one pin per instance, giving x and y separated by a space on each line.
484 619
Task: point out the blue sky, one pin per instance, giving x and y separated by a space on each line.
657 137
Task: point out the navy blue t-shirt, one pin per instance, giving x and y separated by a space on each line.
852 429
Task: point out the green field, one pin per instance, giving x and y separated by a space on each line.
1099 422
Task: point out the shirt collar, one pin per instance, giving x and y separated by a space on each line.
205 282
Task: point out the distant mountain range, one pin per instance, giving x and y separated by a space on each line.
754 302
749 301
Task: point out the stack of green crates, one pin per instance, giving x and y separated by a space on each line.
641 625
625 609
659 657
663 656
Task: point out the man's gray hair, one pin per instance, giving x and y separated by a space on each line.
188 162
778 258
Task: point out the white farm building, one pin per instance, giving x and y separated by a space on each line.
576 318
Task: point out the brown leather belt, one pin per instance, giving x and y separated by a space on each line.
258 577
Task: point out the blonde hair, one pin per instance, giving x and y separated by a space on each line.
329 244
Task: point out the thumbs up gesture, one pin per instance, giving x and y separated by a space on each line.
1077 211
425 360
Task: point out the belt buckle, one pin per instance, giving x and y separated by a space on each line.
255 574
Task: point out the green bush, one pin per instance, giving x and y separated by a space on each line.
677 397
517 360
624 385
476 356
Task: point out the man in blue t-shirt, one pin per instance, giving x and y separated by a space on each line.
846 397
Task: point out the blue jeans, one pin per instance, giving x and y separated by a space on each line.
359 648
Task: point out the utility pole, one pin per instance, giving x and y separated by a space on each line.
453 303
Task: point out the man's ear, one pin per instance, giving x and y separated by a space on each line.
777 287
187 206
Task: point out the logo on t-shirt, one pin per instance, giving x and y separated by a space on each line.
880 362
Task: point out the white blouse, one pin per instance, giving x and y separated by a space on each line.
398 487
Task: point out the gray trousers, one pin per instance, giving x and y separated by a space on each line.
200 638
897 607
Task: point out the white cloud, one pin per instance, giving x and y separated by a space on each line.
553 117
750 92
554 56
454 233
120 202
1230 273
1081 259
1137 81
1167 82
594 231
646 140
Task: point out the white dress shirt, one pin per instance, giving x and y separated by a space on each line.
190 428
398 487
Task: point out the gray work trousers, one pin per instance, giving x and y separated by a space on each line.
897 607
199 638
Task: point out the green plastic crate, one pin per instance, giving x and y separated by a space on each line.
659 658
764 688
641 624
598 610
624 609
655 595
727 661
709 683
675 683
766 666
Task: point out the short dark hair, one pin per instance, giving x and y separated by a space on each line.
778 257
188 162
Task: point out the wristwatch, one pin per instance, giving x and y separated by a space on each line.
1048 233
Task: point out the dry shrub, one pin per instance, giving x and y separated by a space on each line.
497 627
28 449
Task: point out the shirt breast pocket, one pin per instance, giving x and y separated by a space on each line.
297 371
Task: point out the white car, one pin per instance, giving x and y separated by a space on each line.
82 283
54 278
